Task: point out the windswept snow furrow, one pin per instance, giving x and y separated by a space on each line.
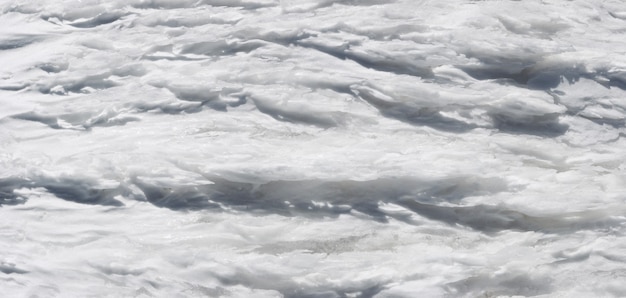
78 121
218 48
312 148
74 190
297 115
495 219
16 42
290 288
7 190
502 284
412 113
330 198
80 21
388 62
214 98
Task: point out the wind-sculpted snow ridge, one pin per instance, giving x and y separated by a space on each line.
312 148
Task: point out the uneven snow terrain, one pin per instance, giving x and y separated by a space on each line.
312 148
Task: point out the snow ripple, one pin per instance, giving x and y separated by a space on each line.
312 148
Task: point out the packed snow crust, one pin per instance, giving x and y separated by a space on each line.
312 148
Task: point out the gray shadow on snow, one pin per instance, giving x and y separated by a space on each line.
18 41
200 96
433 199
7 188
314 198
303 116
100 19
546 125
290 288
11 269
390 64
437 200
76 121
505 284
615 79
419 116
83 191
526 72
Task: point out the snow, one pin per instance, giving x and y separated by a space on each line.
312 148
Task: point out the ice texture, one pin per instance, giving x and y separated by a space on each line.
312 148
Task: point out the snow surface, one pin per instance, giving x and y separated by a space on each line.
312 148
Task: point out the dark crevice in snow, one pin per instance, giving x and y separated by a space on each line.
53 67
83 191
533 76
86 22
321 198
14 87
78 121
492 219
77 83
18 41
385 63
299 197
539 124
284 37
200 95
7 191
101 19
616 78
415 115
546 125
80 191
62 87
303 116
7 268
615 123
